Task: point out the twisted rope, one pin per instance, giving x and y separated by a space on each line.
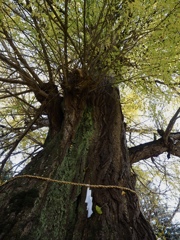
70 183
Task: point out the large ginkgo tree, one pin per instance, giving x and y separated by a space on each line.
63 67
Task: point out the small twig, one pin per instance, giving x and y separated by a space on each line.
175 211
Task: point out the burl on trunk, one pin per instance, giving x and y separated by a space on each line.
89 147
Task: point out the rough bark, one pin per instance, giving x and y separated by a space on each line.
90 147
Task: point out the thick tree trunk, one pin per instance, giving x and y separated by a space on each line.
90 148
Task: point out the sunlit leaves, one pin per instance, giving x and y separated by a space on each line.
132 106
157 50
135 43
115 37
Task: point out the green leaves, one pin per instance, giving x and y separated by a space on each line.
135 43
123 39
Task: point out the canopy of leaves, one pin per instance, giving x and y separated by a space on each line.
134 43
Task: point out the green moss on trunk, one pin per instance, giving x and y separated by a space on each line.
59 221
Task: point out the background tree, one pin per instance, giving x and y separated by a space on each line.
159 198
61 63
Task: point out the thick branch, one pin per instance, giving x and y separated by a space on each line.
154 148
146 150
170 142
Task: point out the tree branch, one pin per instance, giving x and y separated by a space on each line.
146 150
13 80
25 76
169 142
154 148
15 94
170 126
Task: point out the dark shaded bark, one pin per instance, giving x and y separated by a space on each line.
90 147
52 106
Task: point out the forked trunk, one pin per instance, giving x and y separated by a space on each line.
90 148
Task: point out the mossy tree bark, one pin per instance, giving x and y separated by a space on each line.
89 146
